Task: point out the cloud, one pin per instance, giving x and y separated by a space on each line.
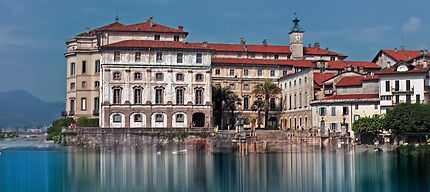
414 24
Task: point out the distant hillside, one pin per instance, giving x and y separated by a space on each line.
20 108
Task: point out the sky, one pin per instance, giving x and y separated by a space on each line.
33 33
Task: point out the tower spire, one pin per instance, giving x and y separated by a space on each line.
116 17
296 27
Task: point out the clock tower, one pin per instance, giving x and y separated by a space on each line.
296 41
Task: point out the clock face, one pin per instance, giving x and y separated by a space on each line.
298 37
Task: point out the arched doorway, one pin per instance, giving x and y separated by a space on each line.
273 123
199 119
322 126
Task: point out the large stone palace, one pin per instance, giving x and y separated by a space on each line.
148 75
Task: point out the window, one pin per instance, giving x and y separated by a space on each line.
357 90
179 77
246 121
322 111
300 100
179 57
356 106
116 118
387 86
97 66
159 96
408 85
246 86
245 103
252 55
306 79
199 97
137 118
137 76
159 76
408 98
272 73
264 56
239 55
198 58
418 99
179 96
116 96
332 58
157 37
231 86
199 77
84 67
397 99
159 118
333 111
84 84
276 56
376 106
284 72
116 56
72 86
260 72
179 118
159 58
231 72
137 56
116 76
356 117
72 107
97 84
333 126
83 104
217 71
345 111
96 105
72 68
396 85
272 104
245 72
176 38
138 96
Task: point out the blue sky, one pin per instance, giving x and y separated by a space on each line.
33 33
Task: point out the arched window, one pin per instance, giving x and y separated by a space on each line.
116 118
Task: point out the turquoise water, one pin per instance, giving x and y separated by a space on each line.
65 169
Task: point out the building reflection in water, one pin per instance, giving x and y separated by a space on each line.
308 170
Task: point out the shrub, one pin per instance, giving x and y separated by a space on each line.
88 122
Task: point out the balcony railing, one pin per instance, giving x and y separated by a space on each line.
402 90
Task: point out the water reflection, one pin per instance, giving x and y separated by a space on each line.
144 170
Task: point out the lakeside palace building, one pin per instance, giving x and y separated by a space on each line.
148 75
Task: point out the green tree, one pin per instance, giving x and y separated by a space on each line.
367 125
54 131
223 99
230 103
268 89
87 122
407 117
258 105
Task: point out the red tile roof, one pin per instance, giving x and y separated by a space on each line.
157 44
393 70
345 64
226 47
350 81
295 63
354 96
402 55
141 27
319 78
318 51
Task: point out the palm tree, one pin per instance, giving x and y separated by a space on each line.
223 98
268 89
231 102
258 105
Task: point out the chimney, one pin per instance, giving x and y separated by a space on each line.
137 28
326 50
205 44
395 50
88 29
265 42
310 45
402 47
409 57
242 41
180 27
150 22
317 45
116 19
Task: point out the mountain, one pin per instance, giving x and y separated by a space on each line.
20 108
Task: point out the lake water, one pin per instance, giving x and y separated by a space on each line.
67 169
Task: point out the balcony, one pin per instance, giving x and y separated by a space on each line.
402 90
